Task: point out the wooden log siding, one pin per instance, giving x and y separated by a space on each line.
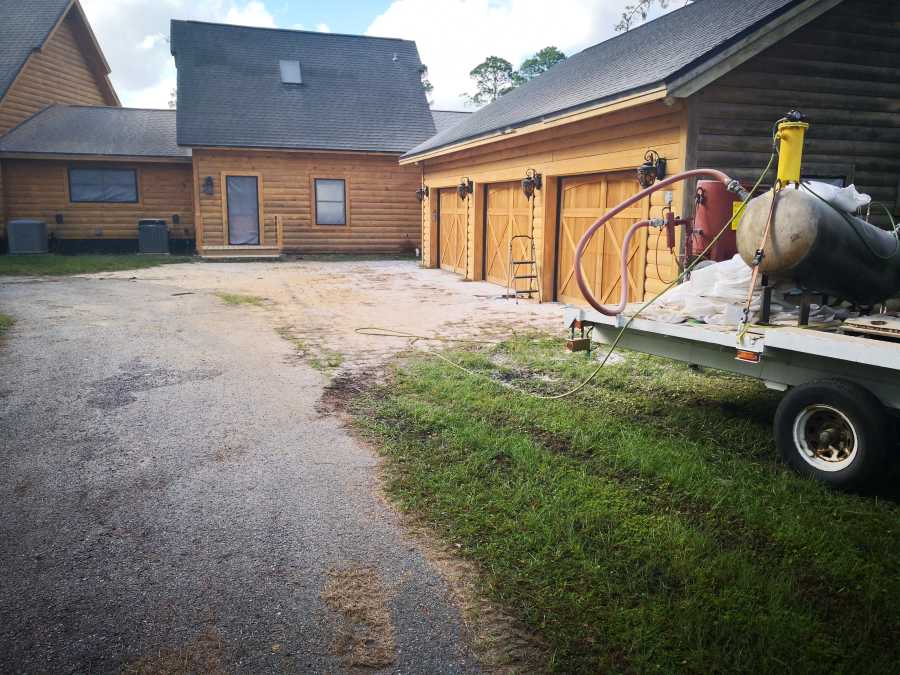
611 143
382 211
842 71
59 73
40 189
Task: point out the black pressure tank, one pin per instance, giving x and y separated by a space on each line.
820 248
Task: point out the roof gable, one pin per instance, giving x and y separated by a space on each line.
358 93
24 27
636 61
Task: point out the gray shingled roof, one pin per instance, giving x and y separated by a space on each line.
444 119
358 93
24 26
639 59
84 130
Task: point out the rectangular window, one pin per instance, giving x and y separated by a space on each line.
112 186
331 203
290 72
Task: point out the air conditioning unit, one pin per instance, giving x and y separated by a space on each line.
26 237
153 236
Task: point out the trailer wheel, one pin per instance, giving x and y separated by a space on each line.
836 432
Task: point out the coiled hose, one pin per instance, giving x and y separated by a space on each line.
586 238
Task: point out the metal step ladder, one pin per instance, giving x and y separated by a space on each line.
522 270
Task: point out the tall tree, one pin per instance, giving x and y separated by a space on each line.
640 10
539 63
493 77
426 84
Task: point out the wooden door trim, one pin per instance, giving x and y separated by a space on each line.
260 208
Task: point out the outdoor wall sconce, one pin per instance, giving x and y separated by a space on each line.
652 170
59 219
176 219
532 181
422 193
208 185
465 187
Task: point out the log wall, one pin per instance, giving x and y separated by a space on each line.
842 70
40 189
382 211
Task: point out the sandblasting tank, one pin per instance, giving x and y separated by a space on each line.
819 248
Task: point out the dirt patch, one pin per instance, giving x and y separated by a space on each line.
365 638
205 654
344 388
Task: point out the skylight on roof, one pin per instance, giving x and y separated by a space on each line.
290 72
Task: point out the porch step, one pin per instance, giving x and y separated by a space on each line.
240 253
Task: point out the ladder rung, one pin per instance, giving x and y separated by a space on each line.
524 262
525 276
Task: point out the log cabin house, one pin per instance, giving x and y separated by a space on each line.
701 86
296 138
48 54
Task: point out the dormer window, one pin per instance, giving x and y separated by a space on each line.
290 72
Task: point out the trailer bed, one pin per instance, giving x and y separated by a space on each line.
788 356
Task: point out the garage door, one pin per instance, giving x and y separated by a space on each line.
452 225
583 201
508 215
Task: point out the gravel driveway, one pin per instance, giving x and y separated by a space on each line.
171 498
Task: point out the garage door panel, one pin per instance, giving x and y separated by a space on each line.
508 214
452 219
583 201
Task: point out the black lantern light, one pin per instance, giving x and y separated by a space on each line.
652 170
422 193
208 185
532 181
465 188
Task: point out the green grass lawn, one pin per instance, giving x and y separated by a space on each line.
6 323
643 525
60 265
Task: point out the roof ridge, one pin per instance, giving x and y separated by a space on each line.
290 30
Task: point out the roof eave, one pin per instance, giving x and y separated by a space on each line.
772 30
273 148
14 154
654 92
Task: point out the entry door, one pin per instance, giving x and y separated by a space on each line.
452 223
242 197
508 215
583 201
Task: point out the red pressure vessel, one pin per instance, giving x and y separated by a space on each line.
714 208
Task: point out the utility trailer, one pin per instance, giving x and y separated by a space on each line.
838 419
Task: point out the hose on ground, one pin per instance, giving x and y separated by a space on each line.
387 332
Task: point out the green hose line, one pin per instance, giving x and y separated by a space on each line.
387 332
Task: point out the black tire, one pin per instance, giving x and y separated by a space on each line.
841 410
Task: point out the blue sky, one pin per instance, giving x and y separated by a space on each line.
352 16
453 36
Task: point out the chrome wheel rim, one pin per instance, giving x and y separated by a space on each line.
825 438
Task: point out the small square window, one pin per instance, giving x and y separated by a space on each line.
331 204
290 72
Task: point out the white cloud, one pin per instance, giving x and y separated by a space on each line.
467 31
323 28
134 37
254 13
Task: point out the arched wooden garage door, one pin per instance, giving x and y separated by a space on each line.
508 214
452 227
582 201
